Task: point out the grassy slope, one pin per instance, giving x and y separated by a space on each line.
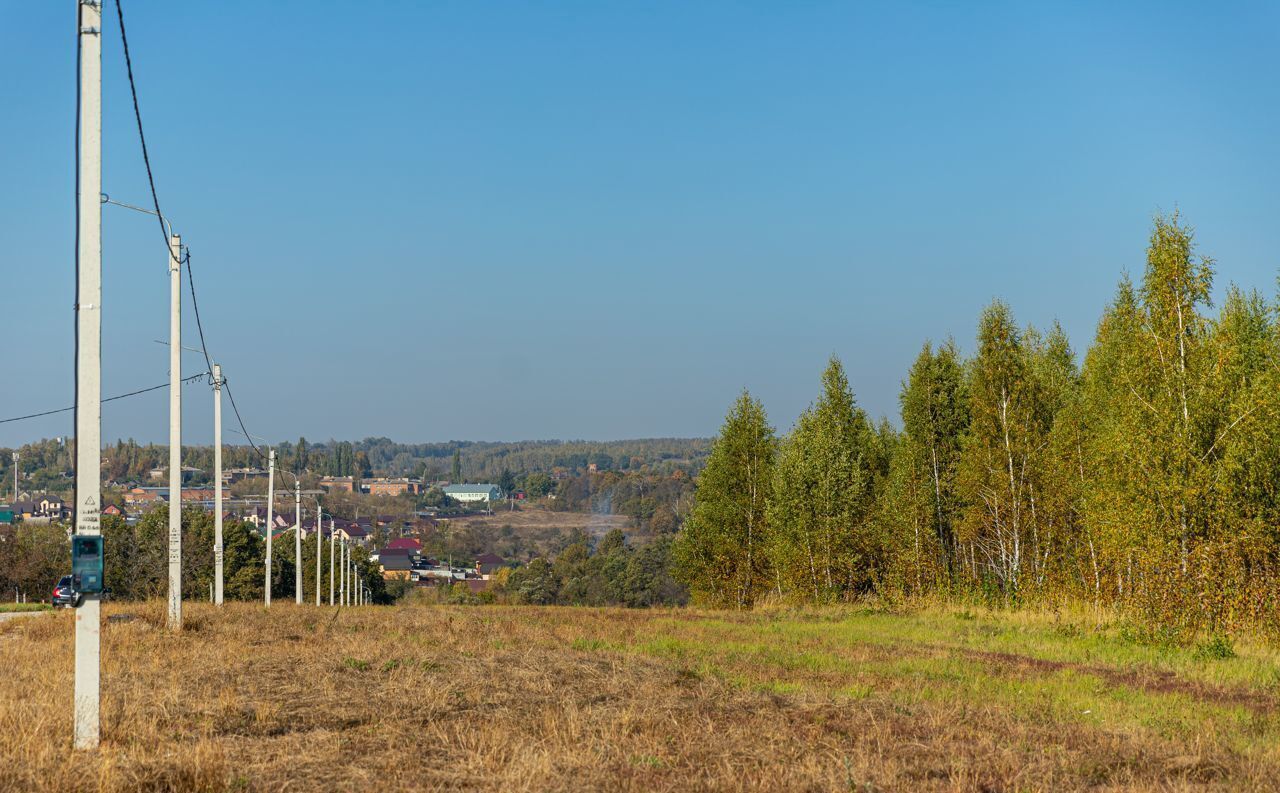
524 698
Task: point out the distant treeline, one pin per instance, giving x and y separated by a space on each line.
1147 478
613 572
47 463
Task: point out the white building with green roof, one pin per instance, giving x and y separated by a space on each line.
473 493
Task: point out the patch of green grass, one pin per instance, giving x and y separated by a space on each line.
15 607
1216 648
1074 670
589 645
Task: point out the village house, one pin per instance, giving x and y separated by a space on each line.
39 508
233 475
163 472
193 494
391 487
141 497
351 532
488 564
473 493
334 484
404 543
397 566
399 563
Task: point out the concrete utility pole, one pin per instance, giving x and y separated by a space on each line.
217 484
343 552
333 547
297 541
175 433
15 478
319 545
271 500
88 307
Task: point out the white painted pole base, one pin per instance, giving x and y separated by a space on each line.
88 673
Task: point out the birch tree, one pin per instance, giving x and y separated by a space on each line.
1004 455
919 505
720 554
824 546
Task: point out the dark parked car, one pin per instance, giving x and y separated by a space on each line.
65 594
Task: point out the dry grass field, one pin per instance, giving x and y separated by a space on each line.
537 520
530 531
517 698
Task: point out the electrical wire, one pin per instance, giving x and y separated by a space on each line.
181 258
243 429
178 259
245 432
142 138
190 379
191 281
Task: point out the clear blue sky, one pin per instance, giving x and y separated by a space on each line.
601 220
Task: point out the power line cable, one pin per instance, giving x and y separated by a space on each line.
191 281
243 429
245 432
179 259
190 379
142 137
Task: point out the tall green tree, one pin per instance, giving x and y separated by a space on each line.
823 544
921 501
1005 454
721 553
506 482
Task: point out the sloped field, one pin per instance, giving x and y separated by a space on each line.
523 698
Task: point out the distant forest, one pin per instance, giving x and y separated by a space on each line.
46 465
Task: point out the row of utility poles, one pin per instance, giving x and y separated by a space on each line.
88 410
348 592
175 462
